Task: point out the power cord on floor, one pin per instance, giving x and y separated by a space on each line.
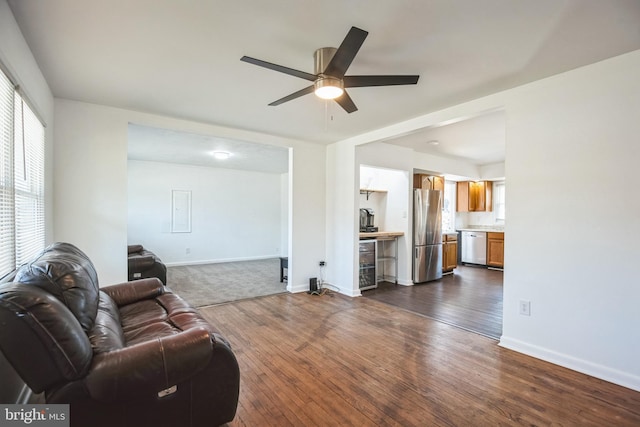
319 292
325 291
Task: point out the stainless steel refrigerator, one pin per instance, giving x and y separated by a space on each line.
427 235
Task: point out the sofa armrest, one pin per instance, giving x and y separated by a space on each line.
131 249
130 292
143 370
140 262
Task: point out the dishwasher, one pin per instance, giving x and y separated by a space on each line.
474 247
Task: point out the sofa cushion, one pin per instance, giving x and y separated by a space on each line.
165 315
106 334
67 273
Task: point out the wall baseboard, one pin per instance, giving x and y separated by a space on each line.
219 261
602 372
298 288
348 292
326 285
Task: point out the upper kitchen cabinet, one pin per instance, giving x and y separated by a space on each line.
428 182
474 196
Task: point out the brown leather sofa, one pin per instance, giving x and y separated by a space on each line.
143 264
131 354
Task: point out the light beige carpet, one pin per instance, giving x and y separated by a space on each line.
210 284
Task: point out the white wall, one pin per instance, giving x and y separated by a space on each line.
574 218
284 214
571 162
235 214
492 172
18 61
389 204
342 230
91 186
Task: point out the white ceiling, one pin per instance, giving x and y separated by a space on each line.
168 146
182 59
478 140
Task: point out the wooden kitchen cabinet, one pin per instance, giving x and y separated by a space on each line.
449 253
474 196
428 182
495 249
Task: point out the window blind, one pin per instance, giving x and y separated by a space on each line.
29 182
21 179
7 227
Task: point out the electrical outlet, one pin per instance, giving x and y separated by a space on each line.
322 263
525 308
187 251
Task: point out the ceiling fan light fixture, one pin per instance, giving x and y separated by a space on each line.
328 87
329 78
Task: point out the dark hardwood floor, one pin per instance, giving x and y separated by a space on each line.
470 299
333 360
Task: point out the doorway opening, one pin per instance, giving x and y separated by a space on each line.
460 154
224 240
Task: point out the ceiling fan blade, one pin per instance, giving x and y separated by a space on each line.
346 52
363 81
294 95
280 68
346 102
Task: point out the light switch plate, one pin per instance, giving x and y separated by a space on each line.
525 307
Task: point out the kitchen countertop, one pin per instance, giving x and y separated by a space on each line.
487 228
381 234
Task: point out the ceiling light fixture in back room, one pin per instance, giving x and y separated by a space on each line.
221 155
329 80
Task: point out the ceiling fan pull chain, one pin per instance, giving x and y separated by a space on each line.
326 115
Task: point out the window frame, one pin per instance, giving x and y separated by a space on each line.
499 203
22 177
449 193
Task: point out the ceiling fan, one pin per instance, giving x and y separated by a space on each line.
329 80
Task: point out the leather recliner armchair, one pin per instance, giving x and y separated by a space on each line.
130 354
143 264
